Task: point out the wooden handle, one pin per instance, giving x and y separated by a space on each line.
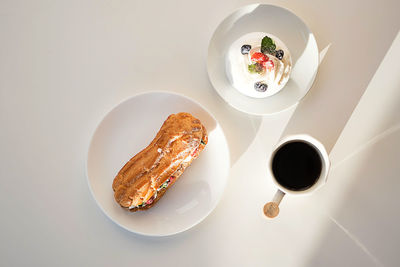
271 209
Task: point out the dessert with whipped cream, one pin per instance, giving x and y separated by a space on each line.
259 64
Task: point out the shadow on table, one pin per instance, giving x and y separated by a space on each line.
339 85
239 128
365 212
360 198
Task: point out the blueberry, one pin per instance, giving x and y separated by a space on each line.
245 49
260 87
279 54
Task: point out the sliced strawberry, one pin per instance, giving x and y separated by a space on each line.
259 57
171 179
150 201
195 152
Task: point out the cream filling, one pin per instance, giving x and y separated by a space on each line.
166 183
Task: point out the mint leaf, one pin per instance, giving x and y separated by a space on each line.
267 45
255 68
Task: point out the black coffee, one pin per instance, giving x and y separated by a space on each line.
297 165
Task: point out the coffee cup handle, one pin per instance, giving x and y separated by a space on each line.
271 209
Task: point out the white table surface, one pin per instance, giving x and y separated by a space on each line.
64 64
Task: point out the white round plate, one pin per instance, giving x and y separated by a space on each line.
287 27
130 127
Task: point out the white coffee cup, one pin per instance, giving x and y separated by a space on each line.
271 209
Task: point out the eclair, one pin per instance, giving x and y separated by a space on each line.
145 178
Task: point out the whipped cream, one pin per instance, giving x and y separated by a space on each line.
237 66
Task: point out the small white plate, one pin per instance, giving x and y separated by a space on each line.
287 27
130 127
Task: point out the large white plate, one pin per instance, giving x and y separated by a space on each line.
130 127
287 27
